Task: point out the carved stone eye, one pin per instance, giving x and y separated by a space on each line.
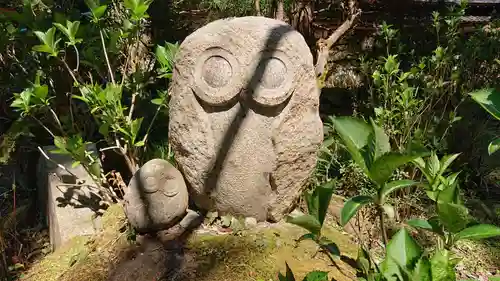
274 73
216 71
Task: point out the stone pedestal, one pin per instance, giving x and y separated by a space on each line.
70 205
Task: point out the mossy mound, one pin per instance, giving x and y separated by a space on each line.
256 254
85 258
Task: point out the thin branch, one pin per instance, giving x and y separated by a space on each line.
45 127
77 58
69 70
324 45
54 162
106 57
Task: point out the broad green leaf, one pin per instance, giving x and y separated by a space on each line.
329 246
446 162
480 231
157 101
289 273
307 236
312 201
422 270
139 143
135 126
75 164
419 223
60 142
316 276
390 187
41 91
441 268
351 206
363 261
325 192
382 144
354 134
451 194
95 169
403 249
454 217
489 99
434 164
307 222
420 163
383 168
494 146
99 11
104 129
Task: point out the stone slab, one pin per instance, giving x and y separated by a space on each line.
70 209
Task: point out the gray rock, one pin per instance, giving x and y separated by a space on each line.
250 222
71 205
244 121
156 197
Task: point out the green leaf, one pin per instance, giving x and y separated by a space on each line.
480 231
441 267
135 126
352 206
434 164
389 188
404 249
60 142
489 99
289 273
75 164
316 276
158 101
104 129
422 271
329 246
419 223
383 168
307 222
494 146
95 169
421 165
451 193
139 143
446 162
454 217
382 144
307 236
354 134
324 193
41 91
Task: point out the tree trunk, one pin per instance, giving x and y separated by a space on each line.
324 45
280 10
302 19
257 7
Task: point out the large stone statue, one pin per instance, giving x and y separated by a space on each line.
244 124
244 120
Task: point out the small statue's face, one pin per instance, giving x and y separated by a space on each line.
244 109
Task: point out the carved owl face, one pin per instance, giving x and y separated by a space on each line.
244 121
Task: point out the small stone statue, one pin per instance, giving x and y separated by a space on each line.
244 119
156 197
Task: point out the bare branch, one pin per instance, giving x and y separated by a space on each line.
324 45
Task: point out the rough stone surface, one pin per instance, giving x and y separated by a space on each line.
70 205
156 197
244 121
